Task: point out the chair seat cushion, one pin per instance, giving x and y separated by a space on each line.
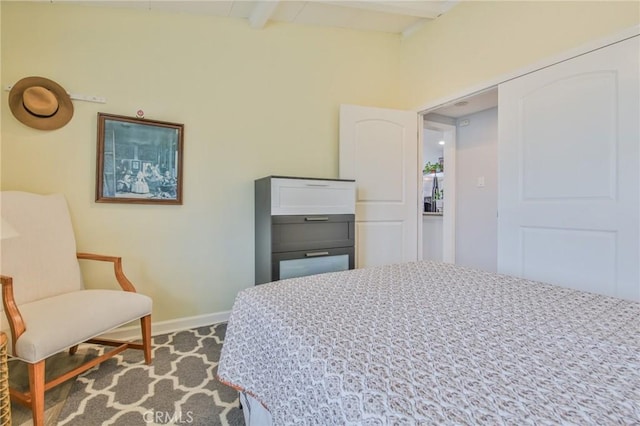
57 323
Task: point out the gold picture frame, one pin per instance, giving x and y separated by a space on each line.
139 160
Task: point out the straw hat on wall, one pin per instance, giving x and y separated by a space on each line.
40 103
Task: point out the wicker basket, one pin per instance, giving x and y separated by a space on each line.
5 400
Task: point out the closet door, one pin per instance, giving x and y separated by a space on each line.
568 173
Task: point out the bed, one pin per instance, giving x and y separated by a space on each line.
431 343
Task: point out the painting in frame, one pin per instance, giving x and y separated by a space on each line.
139 160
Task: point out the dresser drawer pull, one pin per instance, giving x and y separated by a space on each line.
317 253
316 219
317 184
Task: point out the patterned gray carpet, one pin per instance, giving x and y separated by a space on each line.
178 388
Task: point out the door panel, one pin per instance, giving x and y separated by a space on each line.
567 255
388 235
585 98
379 149
568 180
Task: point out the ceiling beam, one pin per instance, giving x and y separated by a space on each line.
261 14
414 27
418 9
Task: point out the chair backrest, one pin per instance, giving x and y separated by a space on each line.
42 257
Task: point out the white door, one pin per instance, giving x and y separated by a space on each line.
379 149
568 173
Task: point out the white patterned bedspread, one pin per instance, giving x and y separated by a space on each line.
429 343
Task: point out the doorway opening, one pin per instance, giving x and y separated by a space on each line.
458 131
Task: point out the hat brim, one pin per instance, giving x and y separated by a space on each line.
61 117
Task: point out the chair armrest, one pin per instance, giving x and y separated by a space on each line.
117 268
16 322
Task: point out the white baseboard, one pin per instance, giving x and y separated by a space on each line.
132 332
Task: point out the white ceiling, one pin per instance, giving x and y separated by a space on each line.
469 104
398 16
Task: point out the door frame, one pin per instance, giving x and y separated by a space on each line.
430 107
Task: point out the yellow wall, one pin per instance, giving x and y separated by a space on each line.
253 102
482 40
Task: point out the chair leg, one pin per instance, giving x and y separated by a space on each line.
36 388
145 323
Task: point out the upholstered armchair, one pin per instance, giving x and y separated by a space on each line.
47 308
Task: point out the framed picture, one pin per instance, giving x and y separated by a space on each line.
139 160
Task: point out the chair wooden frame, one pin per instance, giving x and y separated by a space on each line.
34 398
5 402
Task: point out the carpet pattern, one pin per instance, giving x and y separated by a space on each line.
178 388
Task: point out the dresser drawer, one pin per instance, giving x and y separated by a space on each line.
309 232
312 196
310 262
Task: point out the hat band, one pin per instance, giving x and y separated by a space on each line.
40 115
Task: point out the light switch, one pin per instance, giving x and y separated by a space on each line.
480 182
